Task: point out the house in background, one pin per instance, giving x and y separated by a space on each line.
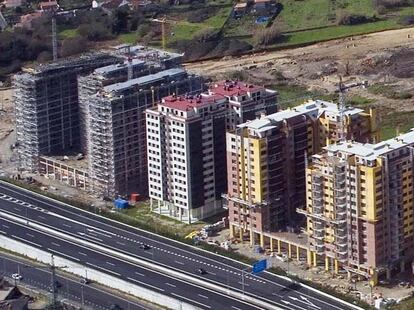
239 9
14 3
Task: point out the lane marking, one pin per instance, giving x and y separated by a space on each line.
24 240
111 264
146 284
84 254
56 244
169 284
66 255
181 263
190 300
139 273
203 296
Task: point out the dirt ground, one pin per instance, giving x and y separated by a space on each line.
359 289
384 57
8 159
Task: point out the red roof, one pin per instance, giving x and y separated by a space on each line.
233 88
187 103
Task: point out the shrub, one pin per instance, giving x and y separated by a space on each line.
390 4
344 18
406 20
206 34
267 36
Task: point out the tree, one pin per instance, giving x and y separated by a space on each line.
73 46
267 36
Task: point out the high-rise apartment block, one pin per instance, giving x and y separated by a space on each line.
116 132
266 161
47 109
94 105
359 209
186 146
245 101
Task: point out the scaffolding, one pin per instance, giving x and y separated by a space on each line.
47 110
114 116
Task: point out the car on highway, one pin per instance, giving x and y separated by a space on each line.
115 307
201 271
144 246
85 280
16 276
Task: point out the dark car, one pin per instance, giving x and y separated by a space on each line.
201 271
144 246
115 307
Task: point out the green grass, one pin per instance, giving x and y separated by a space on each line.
329 33
390 122
68 34
128 38
358 101
389 91
184 30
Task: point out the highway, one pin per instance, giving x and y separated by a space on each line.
70 289
280 292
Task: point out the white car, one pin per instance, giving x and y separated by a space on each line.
16 276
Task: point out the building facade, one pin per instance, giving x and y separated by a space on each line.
360 209
186 148
116 129
267 157
187 165
47 108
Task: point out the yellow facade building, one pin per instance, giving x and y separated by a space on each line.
266 161
359 206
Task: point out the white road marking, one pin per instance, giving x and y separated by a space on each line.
66 225
234 307
24 240
146 284
120 243
203 296
84 254
180 263
140 274
109 263
169 284
63 254
190 300
56 244
102 268
42 217
5 226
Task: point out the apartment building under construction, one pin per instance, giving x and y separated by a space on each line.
115 120
359 206
47 110
267 157
186 146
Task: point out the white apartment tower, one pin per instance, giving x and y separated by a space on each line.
186 156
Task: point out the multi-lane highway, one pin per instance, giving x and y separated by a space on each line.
89 296
276 291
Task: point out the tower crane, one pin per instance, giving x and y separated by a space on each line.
163 20
342 88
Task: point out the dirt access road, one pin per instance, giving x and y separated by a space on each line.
375 57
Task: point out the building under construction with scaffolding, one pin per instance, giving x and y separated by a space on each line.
47 109
266 160
94 105
113 100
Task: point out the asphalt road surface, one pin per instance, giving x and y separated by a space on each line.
280 292
36 276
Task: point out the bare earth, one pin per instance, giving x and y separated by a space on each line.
380 57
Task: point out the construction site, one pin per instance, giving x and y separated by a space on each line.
92 109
